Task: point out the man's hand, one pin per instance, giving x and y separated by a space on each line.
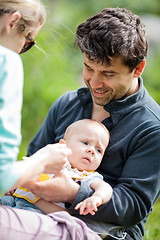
59 189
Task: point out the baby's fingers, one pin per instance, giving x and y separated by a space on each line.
82 207
78 205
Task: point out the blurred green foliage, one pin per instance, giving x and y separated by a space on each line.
152 227
49 75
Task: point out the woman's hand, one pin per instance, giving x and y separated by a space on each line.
49 159
52 157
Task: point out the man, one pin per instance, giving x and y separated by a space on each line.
114 45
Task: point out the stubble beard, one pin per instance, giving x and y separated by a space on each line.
101 101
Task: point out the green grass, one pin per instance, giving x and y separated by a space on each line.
152 231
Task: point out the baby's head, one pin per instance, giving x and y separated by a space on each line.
88 140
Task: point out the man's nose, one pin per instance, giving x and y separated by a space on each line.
96 81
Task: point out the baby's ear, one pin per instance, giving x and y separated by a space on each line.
62 141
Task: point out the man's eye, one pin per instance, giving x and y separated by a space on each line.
84 142
89 69
108 75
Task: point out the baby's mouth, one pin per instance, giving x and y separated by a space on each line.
88 159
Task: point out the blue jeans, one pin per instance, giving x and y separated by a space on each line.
19 203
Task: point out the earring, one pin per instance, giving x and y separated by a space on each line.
22 27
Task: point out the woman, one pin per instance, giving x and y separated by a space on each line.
20 21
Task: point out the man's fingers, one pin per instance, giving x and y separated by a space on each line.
40 189
29 185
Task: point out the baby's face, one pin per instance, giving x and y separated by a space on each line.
88 145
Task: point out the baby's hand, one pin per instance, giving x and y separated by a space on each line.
10 193
89 205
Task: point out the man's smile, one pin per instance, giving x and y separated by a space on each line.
99 92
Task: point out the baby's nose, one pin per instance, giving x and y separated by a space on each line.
91 150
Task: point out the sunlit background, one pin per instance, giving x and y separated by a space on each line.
57 68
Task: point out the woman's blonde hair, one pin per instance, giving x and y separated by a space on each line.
32 12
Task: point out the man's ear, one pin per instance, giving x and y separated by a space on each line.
139 69
62 141
12 20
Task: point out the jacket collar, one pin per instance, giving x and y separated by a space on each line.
118 108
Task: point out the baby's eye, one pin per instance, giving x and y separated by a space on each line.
84 142
99 150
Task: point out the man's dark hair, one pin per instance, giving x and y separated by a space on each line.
113 32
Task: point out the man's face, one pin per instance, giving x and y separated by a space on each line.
109 82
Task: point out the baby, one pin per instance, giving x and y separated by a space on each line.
88 140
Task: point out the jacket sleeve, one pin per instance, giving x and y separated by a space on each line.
137 188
